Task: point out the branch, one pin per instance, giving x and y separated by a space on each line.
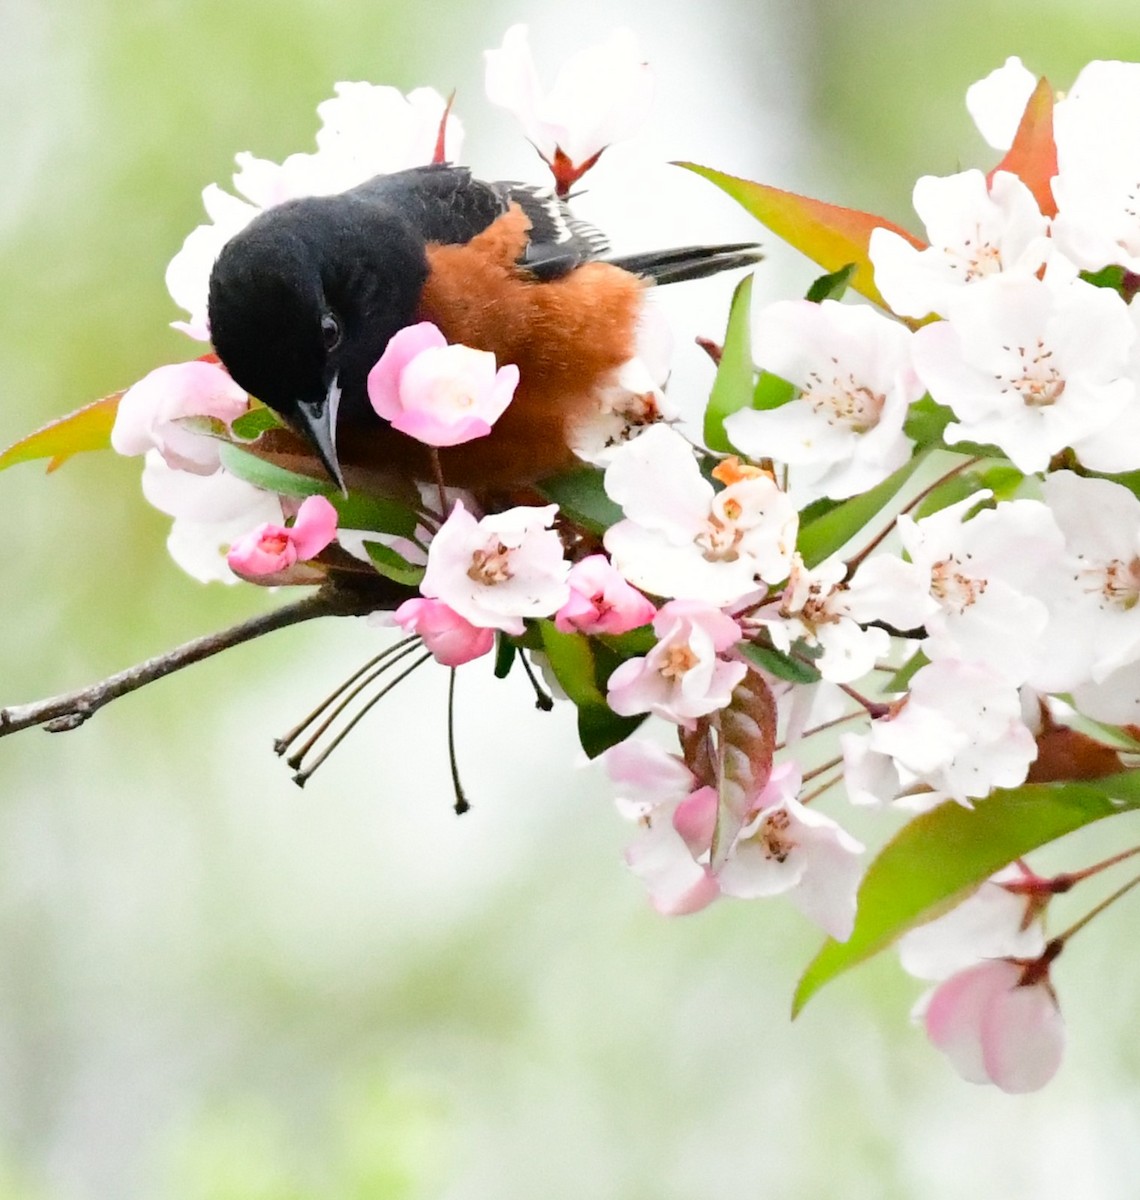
59 714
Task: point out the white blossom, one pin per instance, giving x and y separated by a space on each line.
497 571
997 102
1031 366
974 231
1097 131
682 538
843 433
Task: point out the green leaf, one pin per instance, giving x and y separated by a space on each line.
251 425
828 234
1113 736
88 428
772 391
829 533
355 511
1107 277
634 644
777 663
732 388
583 667
900 680
1001 479
269 476
926 422
831 287
393 565
581 496
938 859
505 653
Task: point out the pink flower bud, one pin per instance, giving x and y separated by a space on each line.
272 548
452 640
439 394
601 601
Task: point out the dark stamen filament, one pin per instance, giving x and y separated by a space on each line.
281 744
303 776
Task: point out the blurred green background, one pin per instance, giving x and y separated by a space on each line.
213 985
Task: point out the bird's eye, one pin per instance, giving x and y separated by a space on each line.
331 331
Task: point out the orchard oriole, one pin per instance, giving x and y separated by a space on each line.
304 300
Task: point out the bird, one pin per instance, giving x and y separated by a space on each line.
303 301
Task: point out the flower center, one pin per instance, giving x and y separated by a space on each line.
952 588
978 256
1040 383
1120 583
844 402
274 543
719 540
490 565
678 660
775 843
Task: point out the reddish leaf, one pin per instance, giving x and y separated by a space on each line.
87 429
827 234
746 745
1033 155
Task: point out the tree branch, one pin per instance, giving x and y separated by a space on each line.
58 714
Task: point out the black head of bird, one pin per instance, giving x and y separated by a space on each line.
303 302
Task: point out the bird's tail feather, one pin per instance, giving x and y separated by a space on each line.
688 262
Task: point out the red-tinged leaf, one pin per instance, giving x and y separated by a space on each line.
1033 155
827 234
89 428
746 745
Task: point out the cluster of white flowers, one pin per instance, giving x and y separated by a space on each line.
1012 580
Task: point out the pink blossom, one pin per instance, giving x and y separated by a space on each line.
664 857
272 548
601 95
682 677
601 601
149 413
998 1023
500 570
451 640
439 394
646 776
788 849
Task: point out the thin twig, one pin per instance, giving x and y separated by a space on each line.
58 714
884 533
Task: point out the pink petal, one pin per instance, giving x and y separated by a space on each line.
956 1011
451 639
1023 1038
384 378
263 551
695 818
314 528
430 430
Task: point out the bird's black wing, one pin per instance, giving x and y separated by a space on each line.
445 204
559 241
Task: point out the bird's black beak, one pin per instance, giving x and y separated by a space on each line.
316 419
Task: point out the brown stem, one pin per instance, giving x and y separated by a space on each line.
884 533
58 714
